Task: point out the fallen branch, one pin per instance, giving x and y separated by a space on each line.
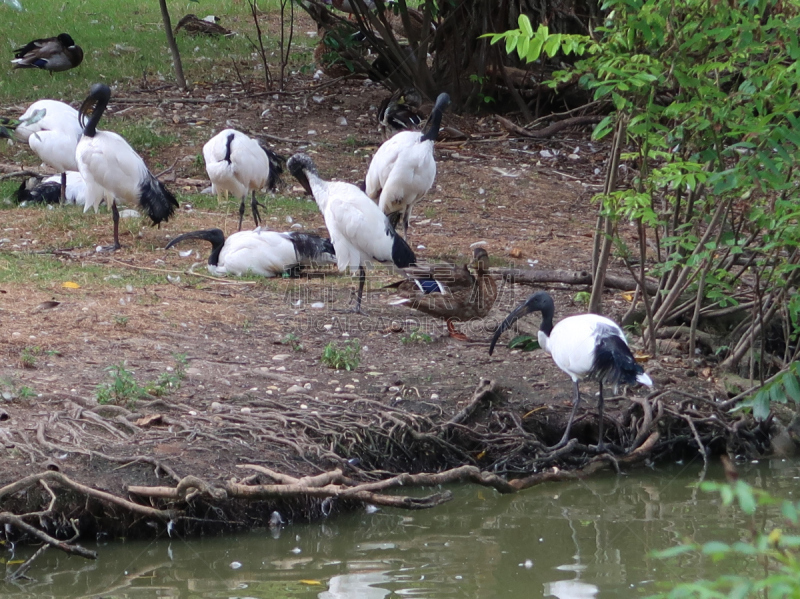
530 276
550 130
18 523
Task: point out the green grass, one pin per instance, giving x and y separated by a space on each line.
46 271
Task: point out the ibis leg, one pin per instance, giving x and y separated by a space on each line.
63 188
600 444
362 277
254 204
115 217
241 213
406 216
576 400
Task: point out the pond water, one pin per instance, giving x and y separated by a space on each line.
568 540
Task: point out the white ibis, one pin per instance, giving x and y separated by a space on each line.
52 54
51 129
109 165
261 252
239 165
359 230
403 168
586 346
48 190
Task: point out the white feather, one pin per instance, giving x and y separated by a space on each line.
359 230
109 164
76 187
401 172
247 170
572 343
260 252
55 136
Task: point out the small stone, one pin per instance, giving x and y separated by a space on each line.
295 389
281 357
341 121
349 386
394 389
216 406
434 396
246 410
307 386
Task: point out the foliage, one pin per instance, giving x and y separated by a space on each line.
29 355
416 336
524 343
293 341
705 92
344 358
530 45
772 552
780 389
122 390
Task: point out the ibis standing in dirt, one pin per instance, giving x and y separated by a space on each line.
109 165
359 230
403 168
586 346
239 164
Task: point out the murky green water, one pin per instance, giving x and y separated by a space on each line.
573 540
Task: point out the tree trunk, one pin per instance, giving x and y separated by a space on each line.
173 47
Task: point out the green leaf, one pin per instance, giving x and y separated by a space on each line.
792 386
744 493
789 511
716 548
524 343
511 41
525 25
761 405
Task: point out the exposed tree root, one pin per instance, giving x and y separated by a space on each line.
354 449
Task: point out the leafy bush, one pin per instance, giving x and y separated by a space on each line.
344 358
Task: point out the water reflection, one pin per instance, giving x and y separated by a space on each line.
572 540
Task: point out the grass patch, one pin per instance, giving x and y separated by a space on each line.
124 42
146 137
123 389
47 271
342 358
416 336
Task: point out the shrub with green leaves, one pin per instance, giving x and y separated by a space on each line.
342 358
123 388
703 100
763 563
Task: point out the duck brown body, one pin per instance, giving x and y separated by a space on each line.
52 54
450 292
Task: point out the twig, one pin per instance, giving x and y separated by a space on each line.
17 522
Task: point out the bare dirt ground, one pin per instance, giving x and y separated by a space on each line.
252 395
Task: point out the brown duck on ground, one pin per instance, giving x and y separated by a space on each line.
450 292
193 25
50 54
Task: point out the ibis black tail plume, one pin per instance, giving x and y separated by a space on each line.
312 248
157 200
402 254
44 193
613 361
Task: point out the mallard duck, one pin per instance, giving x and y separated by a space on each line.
51 54
193 25
400 112
449 292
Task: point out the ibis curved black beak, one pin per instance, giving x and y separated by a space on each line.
520 311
